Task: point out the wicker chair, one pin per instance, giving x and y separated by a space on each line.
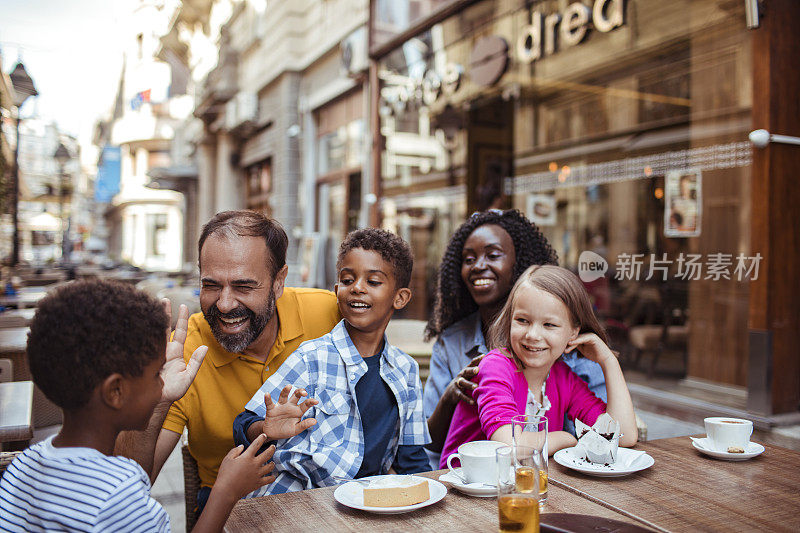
5 460
191 484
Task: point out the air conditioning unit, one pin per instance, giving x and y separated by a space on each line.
354 52
247 106
241 109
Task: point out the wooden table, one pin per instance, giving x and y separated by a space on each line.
317 510
687 491
13 345
13 341
25 297
16 318
16 410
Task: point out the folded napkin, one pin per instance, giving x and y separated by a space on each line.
631 456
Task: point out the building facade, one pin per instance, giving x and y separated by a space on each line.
144 224
47 193
190 48
284 123
7 127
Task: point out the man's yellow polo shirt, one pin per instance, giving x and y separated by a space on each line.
226 380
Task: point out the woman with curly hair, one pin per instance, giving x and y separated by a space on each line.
483 260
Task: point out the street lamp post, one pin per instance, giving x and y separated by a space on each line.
62 157
23 88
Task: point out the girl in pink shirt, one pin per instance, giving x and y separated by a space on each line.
548 312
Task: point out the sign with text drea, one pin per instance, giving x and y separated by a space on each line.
546 32
540 37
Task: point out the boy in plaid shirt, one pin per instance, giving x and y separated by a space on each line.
366 415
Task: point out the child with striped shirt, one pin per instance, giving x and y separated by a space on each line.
97 350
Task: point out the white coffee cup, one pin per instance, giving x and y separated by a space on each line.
725 432
478 463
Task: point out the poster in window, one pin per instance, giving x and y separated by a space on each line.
683 203
541 209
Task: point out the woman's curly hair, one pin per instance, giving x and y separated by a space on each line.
453 301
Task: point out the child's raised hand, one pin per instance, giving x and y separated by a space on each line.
176 374
591 347
243 471
283 419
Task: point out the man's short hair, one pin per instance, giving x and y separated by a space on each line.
249 224
87 330
393 249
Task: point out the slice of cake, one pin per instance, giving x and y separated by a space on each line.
396 491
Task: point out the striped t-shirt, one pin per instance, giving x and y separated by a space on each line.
77 489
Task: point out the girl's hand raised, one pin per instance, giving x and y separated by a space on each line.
619 404
591 347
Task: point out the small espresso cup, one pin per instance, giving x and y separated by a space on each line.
725 432
478 463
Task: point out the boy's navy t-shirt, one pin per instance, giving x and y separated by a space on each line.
379 416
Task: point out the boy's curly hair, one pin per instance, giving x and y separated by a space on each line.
453 301
393 249
87 330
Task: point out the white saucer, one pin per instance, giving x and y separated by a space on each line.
753 449
628 462
351 494
480 490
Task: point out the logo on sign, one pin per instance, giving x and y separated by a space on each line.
591 266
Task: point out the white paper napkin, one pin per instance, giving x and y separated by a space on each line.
631 456
591 442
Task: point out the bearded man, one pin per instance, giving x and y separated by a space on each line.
250 322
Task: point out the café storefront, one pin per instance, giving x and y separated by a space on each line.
621 129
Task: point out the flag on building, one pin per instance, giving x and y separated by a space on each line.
140 98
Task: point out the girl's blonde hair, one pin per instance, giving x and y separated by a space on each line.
562 284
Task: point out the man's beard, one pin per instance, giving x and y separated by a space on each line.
237 342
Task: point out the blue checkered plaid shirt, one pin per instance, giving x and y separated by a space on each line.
329 368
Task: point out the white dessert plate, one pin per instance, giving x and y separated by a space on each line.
628 462
351 494
703 446
481 490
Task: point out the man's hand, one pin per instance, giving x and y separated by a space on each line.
283 418
175 373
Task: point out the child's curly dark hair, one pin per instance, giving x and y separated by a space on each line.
393 249
453 301
87 330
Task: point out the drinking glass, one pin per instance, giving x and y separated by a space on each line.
517 494
531 431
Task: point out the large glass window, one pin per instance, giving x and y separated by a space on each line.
341 148
390 18
624 136
426 221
